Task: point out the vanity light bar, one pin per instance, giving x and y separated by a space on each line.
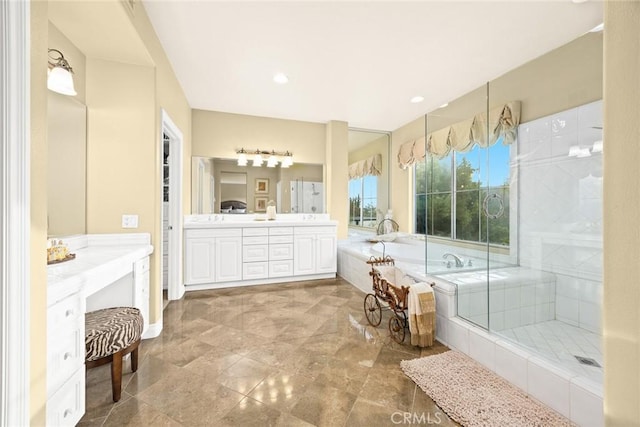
258 157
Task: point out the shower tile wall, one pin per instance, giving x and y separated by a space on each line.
560 211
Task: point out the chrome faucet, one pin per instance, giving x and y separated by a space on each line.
459 261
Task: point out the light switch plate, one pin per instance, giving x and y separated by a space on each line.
129 221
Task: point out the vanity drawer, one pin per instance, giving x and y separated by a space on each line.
255 270
279 231
253 253
280 252
259 231
64 313
281 268
212 232
255 240
65 354
67 405
281 239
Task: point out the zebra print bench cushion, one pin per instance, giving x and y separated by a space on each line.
110 330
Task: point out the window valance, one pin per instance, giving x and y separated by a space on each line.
502 121
368 166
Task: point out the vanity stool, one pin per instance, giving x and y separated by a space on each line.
110 334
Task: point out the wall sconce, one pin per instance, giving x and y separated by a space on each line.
272 158
59 77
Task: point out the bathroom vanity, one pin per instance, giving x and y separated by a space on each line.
228 250
108 271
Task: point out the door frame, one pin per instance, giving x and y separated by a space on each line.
175 286
15 212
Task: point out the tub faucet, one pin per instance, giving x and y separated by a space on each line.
459 261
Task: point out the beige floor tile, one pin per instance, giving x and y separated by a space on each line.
291 354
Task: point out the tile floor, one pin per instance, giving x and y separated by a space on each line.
294 354
560 343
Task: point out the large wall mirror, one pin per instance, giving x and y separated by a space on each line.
67 160
221 186
368 177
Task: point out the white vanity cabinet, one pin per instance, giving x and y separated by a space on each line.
65 361
213 255
256 251
141 290
315 250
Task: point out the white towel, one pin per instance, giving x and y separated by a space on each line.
421 306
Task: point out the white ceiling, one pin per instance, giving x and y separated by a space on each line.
359 61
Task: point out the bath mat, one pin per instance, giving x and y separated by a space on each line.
472 395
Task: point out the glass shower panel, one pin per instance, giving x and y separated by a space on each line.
456 175
546 279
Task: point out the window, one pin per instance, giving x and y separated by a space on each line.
451 195
363 201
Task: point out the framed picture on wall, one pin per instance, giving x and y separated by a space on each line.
261 204
262 185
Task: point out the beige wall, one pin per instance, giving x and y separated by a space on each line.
217 134
124 170
337 175
621 220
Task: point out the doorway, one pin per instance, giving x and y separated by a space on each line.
171 208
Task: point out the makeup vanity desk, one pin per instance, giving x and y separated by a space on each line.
109 270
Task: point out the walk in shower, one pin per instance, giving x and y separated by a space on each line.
511 184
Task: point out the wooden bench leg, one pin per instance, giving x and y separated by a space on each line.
134 360
116 376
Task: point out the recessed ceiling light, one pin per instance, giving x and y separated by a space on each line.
446 104
417 99
579 1
280 78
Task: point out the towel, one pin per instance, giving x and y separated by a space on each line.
422 314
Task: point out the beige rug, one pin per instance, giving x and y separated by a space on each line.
472 395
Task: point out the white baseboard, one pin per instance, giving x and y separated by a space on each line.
154 330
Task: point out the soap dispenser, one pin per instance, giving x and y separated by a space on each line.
271 210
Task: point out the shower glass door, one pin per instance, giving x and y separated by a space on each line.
451 186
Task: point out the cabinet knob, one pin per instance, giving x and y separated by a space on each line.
68 313
67 355
170 227
66 413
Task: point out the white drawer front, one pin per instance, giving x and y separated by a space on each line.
67 405
281 252
281 268
64 356
141 266
255 270
281 239
255 240
279 231
65 311
213 232
328 229
255 231
253 253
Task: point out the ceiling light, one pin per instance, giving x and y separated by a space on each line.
242 158
280 78
257 159
417 99
273 160
579 1
59 77
446 104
